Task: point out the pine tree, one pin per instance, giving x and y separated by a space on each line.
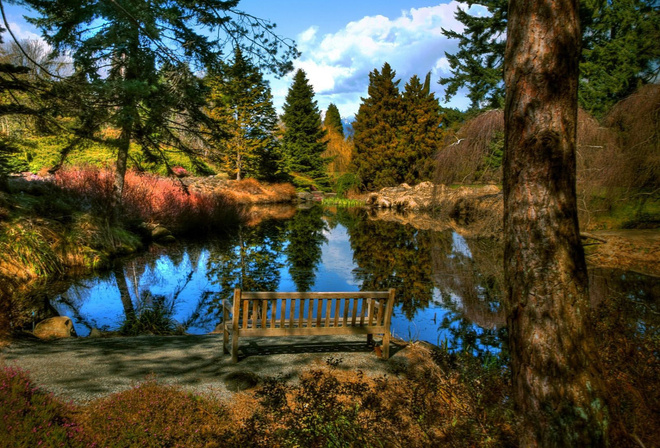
332 120
376 131
242 104
619 52
138 60
420 134
556 383
340 148
304 138
478 63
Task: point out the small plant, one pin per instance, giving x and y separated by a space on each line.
154 317
30 417
155 415
347 183
180 171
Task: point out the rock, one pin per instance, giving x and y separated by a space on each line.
95 333
167 239
160 232
55 327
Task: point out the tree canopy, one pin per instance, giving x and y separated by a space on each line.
396 134
619 52
242 104
134 63
304 137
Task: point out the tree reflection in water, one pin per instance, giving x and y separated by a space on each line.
304 249
250 260
448 288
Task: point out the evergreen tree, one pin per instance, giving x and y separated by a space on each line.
243 105
376 127
304 137
332 120
477 64
420 134
340 148
619 52
137 58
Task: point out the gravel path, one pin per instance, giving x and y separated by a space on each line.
84 369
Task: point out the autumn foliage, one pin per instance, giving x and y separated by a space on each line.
148 198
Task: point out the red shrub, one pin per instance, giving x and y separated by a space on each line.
149 198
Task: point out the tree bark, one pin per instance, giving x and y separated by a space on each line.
555 386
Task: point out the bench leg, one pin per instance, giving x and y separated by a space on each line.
225 340
370 339
234 348
386 345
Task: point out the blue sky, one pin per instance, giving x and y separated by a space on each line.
343 40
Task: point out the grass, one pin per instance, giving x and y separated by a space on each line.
343 202
38 153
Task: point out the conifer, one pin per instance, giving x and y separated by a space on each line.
420 134
332 120
304 138
242 104
376 131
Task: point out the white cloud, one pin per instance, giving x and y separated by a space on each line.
338 64
21 33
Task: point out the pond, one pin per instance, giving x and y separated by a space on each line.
448 288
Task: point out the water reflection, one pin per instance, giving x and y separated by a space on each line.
448 288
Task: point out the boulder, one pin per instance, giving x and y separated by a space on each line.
55 327
160 232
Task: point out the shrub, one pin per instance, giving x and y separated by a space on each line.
347 183
149 198
429 406
30 417
155 415
153 317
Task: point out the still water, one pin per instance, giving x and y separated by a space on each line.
448 288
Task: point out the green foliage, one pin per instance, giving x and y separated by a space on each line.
303 141
477 64
420 134
346 183
153 317
332 120
134 69
343 202
396 135
619 52
376 131
243 105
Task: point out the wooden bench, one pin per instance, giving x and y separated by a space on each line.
265 314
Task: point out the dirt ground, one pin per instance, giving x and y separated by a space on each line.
84 369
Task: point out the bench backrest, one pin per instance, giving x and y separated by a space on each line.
312 309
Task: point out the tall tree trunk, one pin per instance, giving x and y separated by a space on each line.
555 387
120 167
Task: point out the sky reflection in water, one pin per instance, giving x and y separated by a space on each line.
447 288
